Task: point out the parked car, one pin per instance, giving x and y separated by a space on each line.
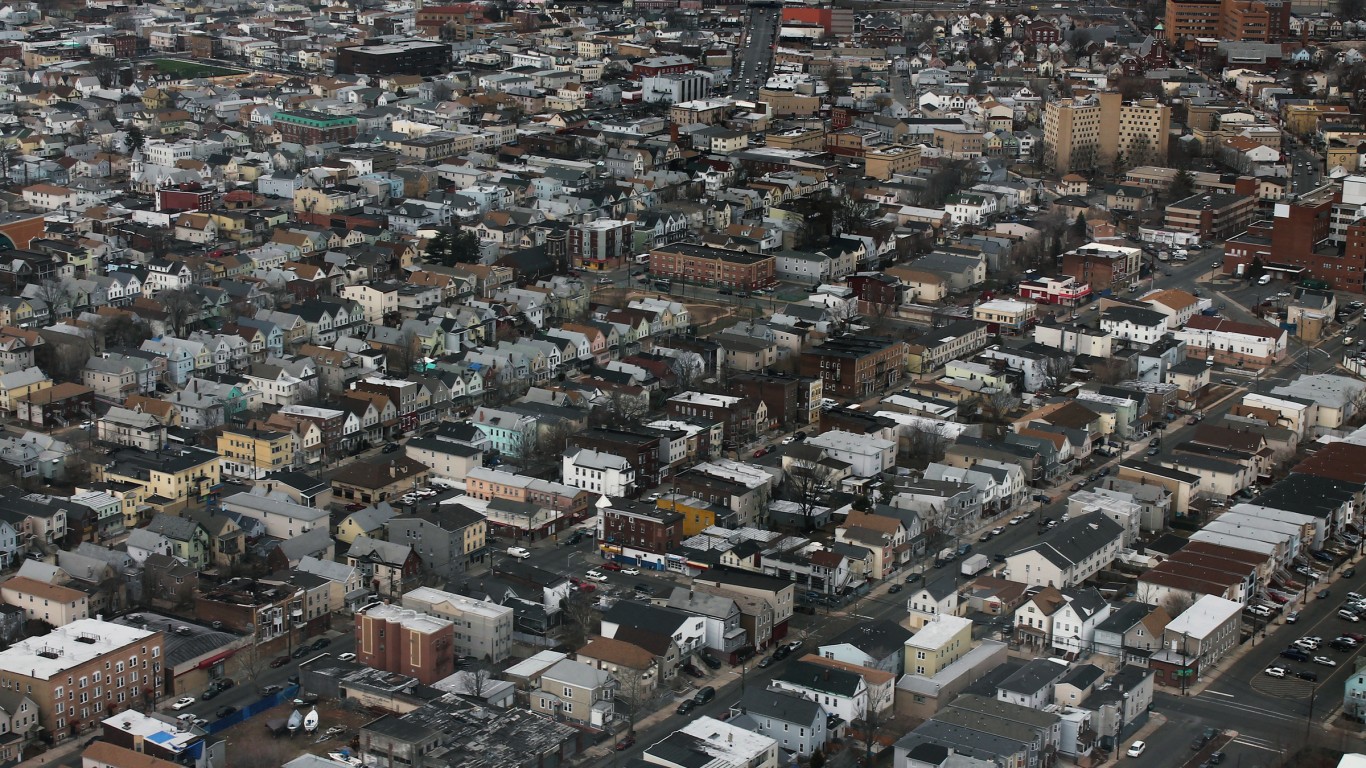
895 588
321 643
223 712
626 744
1348 616
710 660
686 707
610 567
279 661
300 652
271 690
1276 671
1136 749
1292 617
1305 674
182 702
704 694
1294 654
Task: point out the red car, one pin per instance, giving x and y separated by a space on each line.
279 661
585 586
610 567
626 743
1357 637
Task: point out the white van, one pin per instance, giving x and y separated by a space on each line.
519 553
1264 279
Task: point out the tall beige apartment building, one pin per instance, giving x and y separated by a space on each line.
1098 130
81 673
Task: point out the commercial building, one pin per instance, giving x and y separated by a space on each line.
80 673
1211 216
254 453
1102 129
855 366
1066 291
405 641
700 265
401 57
483 628
1229 342
307 126
1103 266
642 526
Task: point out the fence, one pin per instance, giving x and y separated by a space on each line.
254 708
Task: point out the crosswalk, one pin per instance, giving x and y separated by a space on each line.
1258 743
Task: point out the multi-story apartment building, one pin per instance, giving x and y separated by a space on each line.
306 126
600 244
53 604
254 453
405 641
701 265
740 415
400 57
482 628
1102 129
855 366
81 672
1233 20
449 539
643 526
182 476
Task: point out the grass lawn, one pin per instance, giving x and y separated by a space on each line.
189 69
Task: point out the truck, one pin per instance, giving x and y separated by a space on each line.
975 565
945 556
521 553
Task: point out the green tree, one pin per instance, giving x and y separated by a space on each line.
135 138
1183 185
817 758
997 30
454 246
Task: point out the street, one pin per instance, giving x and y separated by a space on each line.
754 56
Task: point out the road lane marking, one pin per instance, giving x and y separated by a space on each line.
1220 693
1247 743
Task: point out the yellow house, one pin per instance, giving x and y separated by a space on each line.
254 453
19 384
364 522
697 514
171 479
16 311
938 644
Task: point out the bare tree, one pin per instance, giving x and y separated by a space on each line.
121 330
624 408
925 445
181 307
580 620
59 294
1176 603
250 662
802 479
1058 367
634 695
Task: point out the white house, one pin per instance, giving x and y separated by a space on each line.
599 472
867 456
841 692
1141 327
969 209
1071 553
1074 624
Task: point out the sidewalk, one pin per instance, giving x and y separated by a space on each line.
67 752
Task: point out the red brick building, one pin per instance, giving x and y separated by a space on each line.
662 65
405 641
1294 238
700 265
856 366
643 526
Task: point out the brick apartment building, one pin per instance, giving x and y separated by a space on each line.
701 265
739 415
1212 216
401 57
788 398
307 126
1233 20
405 641
1103 266
643 447
82 672
855 366
641 525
